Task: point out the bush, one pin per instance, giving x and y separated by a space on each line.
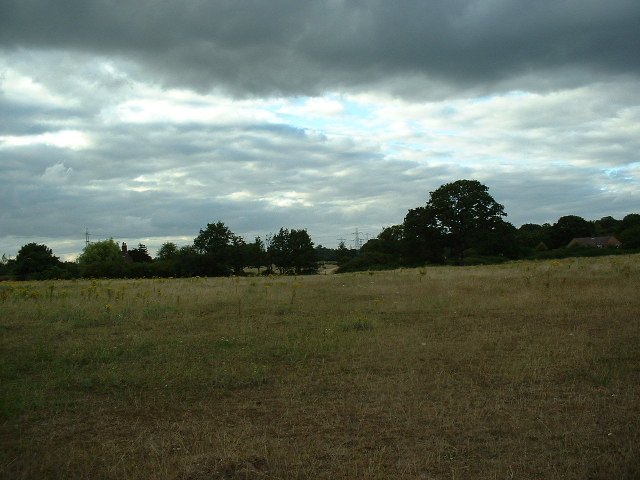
370 261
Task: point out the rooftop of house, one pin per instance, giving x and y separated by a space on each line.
596 241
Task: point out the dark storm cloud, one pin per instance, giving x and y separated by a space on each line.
306 47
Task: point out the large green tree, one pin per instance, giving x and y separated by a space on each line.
215 238
255 254
423 240
189 263
531 236
630 221
36 261
569 227
465 213
166 261
238 254
384 251
102 259
167 251
499 241
630 237
215 244
629 233
140 254
291 251
304 257
344 254
606 226
279 250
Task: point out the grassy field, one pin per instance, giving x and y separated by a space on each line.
524 370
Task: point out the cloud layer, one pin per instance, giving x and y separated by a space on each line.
143 121
294 47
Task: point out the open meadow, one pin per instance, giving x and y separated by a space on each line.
526 370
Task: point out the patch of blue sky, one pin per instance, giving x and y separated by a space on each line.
488 98
408 145
621 173
328 125
357 109
449 110
613 172
304 122
299 112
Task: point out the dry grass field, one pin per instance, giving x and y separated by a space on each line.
528 370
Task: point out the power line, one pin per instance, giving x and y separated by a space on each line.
357 241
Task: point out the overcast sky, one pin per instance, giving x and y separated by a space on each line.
146 120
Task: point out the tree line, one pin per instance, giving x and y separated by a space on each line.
216 251
460 224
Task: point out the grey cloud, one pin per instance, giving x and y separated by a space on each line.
32 119
96 188
168 177
294 47
544 194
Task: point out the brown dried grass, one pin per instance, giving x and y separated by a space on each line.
525 370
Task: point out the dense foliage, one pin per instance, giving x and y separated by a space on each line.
102 259
461 223
36 262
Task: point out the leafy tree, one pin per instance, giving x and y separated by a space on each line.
530 235
102 259
391 240
5 267
326 254
36 261
630 237
189 262
215 243
166 261
215 238
238 254
423 241
280 250
630 221
70 270
499 241
140 254
567 228
606 226
139 263
255 254
168 251
292 251
465 213
303 256
343 254
371 245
